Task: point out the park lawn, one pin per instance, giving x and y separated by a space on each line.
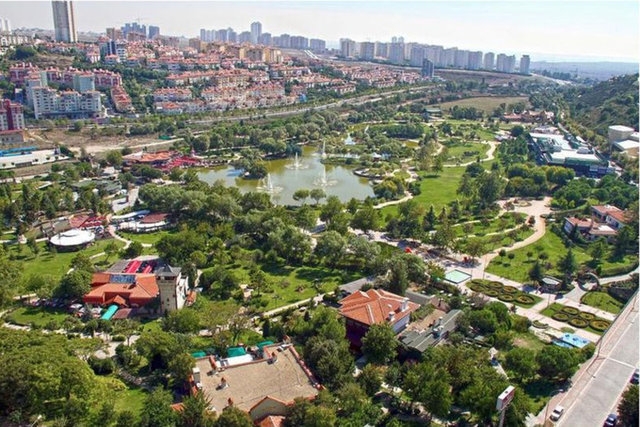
456 152
39 316
145 238
57 264
131 399
501 223
528 340
437 190
517 269
496 241
288 284
485 103
603 301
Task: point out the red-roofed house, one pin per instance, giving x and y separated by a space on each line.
363 309
129 290
615 217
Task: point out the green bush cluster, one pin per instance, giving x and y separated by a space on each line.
504 293
580 319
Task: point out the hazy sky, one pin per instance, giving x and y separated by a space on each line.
573 30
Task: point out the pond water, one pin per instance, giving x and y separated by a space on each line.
288 175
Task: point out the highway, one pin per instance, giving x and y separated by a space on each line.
597 387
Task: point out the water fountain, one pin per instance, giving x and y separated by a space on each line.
323 153
297 164
323 181
268 187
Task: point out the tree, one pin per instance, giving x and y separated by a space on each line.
158 347
522 362
156 410
370 379
111 249
598 249
82 262
134 250
301 194
125 418
194 411
379 343
628 407
536 273
556 362
625 239
568 266
366 218
429 385
233 417
331 246
74 284
182 321
114 158
181 366
126 327
317 194
330 360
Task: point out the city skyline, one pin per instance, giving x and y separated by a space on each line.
546 30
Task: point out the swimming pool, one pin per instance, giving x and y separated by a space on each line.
456 276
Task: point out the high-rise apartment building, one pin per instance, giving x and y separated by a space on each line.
5 25
525 62
489 60
265 39
506 64
461 59
475 60
285 41
367 50
347 48
434 54
244 37
11 116
256 32
417 56
317 45
154 31
396 52
428 69
140 31
64 21
449 57
114 33
232 36
382 50
299 42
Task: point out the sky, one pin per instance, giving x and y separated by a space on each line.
570 30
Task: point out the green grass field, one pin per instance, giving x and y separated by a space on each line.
131 399
57 264
496 241
39 316
518 268
438 190
465 151
603 301
145 238
485 103
556 307
501 223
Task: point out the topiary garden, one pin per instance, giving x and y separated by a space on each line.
504 293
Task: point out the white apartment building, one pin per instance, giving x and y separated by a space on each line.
64 21
48 103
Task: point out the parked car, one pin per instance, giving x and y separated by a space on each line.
611 420
557 413
635 376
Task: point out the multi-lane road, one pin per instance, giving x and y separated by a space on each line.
597 387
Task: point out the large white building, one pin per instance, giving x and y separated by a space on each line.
525 62
64 21
367 50
48 102
5 25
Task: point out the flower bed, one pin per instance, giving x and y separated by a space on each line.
578 323
587 316
599 325
506 297
570 311
525 299
507 294
510 290
560 317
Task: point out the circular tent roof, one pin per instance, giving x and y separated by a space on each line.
73 237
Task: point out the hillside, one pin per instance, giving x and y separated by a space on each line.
611 102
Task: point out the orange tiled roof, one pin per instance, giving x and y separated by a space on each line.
272 421
140 291
374 306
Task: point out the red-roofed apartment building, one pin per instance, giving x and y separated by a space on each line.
363 309
605 222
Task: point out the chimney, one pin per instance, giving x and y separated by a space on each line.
405 304
391 316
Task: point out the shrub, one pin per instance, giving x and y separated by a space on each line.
476 287
599 324
560 317
496 286
578 322
492 293
506 297
509 290
118 338
570 311
525 299
101 366
539 325
587 316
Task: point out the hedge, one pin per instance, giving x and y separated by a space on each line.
525 299
506 297
539 325
570 311
578 322
510 290
561 317
492 293
599 325
587 316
